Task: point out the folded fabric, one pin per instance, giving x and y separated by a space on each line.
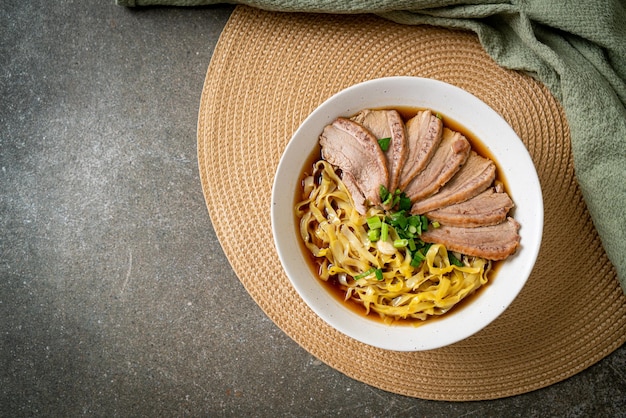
576 48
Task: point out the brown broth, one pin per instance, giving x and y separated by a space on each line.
331 285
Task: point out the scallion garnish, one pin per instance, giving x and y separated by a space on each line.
374 222
454 261
401 243
418 257
405 202
365 274
373 235
406 228
384 231
385 196
397 219
377 272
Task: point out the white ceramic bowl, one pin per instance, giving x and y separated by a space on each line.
515 165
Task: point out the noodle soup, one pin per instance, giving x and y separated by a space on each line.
301 267
396 278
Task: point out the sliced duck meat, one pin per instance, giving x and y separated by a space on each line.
450 155
357 195
488 208
472 178
387 124
352 148
423 135
495 242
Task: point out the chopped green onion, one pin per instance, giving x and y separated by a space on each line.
379 274
364 274
384 143
418 257
405 202
374 222
436 224
385 196
412 245
384 193
384 231
454 261
438 116
373 235
398 219
400 243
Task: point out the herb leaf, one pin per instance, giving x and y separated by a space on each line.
384 143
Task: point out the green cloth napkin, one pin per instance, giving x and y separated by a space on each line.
577 48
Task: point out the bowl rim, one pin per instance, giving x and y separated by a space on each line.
494 133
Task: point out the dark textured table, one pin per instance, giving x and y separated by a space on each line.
115 296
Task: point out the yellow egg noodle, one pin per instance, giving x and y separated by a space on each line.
336 234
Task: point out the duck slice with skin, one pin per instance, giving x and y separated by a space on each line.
450 155
473 177
423 135
495 242
488 208
387 124
357 195
352 148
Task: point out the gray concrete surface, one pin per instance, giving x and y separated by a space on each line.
115 296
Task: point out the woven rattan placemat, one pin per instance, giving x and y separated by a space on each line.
270 70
